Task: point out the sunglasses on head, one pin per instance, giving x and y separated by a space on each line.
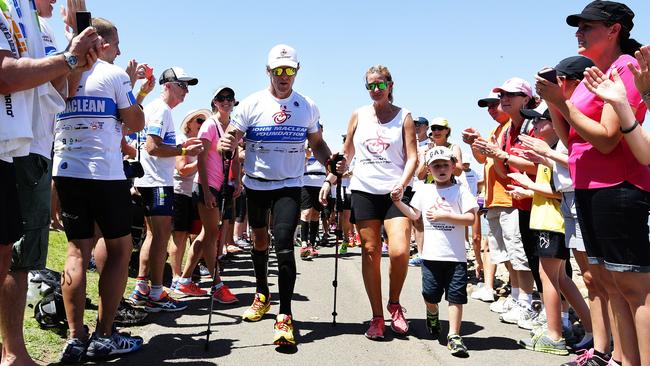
200 120
221 98
382 85
279 71
510 95
438 128
182 85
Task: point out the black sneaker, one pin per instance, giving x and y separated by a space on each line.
433 325
116 344
127 315
74 351
456 346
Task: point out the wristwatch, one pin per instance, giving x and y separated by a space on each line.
70 59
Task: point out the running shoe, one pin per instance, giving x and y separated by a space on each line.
513 315
205 272
233 249
398 322
127 315
527 318
165 303
433 325
586 358
484 294
541 342
305 253
376 329
189 289
313 252
456 346
243 243
502 305
74 351
343 249
173 285
223 295
415 261
116 344
261 305
283 331
137 298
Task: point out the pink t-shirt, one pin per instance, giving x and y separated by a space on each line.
211 130
592 169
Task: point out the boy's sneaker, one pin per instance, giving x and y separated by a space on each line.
165 303
116 344
398 322
204 271
415 261
513 315
456 346
305 253
223 295
527 318
484 294
74 351
283 331
189 289
137 298
343 249
502 305
541 342
433 324
261 305
376 329
127 315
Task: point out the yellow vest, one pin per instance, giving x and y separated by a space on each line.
545 214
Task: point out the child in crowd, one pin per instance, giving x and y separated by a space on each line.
448 208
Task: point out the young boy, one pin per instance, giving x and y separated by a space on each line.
447 208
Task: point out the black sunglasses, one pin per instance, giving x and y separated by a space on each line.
438 128
510 95
221 98
200 120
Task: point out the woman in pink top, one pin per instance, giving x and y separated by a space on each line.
611 186
210 180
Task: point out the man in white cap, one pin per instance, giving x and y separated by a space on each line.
158 151
276 122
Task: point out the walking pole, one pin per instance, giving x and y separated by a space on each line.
338 208
226 169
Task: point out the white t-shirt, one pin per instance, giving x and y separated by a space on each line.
276 131
158 171
184 184
43 129
443 241
88 132
561 175
379 152
422 147
472 177
315 173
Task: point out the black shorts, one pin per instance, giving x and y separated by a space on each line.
261 203
614 225
347 200
551 245
185 212
229 204
86 201
368 206
158 201
11 226
440 277
309 198
199 197
240 207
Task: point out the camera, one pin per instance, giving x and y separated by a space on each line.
132 169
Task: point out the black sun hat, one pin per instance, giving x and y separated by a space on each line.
608 11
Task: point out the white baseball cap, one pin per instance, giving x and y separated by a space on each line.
438 153
282 55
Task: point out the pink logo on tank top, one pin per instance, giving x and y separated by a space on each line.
282 116
377 145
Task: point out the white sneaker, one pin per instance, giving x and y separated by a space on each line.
484 294
502 305
527 319
512 316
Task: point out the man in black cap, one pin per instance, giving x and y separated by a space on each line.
158 150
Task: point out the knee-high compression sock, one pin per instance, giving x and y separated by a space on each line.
304 230
313 230
260 265
286 278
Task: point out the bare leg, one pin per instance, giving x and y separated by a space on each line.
176 250
635 288
161 228
73 285
623 330
370 231
205 244
399 233
455 318
574 297
549 272
13 296
418 227
112 280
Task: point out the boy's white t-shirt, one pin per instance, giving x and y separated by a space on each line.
443 241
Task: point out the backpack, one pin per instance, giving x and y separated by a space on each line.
49 312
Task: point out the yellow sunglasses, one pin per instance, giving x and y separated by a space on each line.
289 71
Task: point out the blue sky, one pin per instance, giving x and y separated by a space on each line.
444 55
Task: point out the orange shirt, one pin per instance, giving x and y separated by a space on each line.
495 186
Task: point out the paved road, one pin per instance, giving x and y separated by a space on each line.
179 338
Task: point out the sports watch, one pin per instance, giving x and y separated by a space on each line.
70 59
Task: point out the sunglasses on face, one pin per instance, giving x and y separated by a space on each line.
200 120
279 71
493 105
221 98
382 85
438 128
511 95
182 85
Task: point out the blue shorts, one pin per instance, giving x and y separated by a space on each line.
440 277
158 201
